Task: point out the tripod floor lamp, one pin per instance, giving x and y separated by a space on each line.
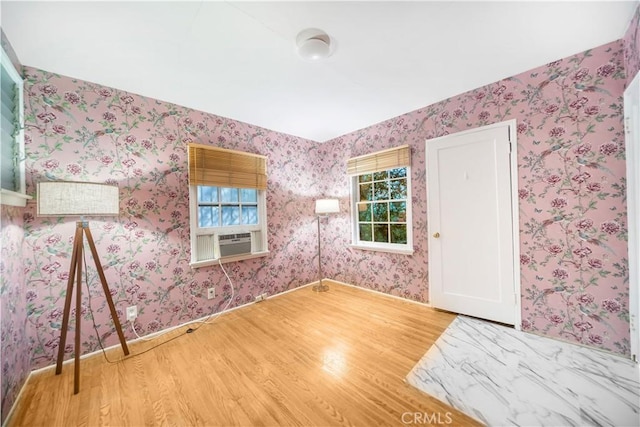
63 198
323 208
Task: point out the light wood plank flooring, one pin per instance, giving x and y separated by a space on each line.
301 358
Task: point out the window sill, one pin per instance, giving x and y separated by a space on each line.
11 198
402 251
208 262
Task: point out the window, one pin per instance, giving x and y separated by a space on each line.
381 201
12 181
228 205
223 207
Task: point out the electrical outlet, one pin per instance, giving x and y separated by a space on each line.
211 293
261 297
132 313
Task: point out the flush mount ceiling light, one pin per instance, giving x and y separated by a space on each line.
314 44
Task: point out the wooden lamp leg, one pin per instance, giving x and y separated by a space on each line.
105 288
77 348
77 244
75 274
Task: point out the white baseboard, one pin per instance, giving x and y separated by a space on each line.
424 304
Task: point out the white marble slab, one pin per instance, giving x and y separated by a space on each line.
501 376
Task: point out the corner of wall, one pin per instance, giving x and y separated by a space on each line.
631 44
6 45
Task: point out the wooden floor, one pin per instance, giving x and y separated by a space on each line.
301 358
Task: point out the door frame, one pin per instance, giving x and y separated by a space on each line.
631 99
510 127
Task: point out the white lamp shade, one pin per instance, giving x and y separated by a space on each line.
66 198
326 206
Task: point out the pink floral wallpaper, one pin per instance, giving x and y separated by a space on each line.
77 130
14 342
572 206
571 185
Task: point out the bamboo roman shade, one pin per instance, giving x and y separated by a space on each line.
226 168
382 160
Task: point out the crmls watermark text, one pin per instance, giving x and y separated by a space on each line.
426 418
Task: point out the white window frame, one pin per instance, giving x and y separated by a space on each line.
8 196
196 231
356 243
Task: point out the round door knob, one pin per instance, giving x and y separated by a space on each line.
436 235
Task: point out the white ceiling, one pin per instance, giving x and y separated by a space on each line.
238 59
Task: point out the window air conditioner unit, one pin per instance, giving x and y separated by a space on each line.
233 244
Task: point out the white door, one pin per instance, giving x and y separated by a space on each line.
471 217
632 125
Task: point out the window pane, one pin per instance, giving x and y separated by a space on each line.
366 192
364 212
398 173
365 232
381 232
207 194
397 212
8 127
249 195
208 216
249 215
228 195
382 206
398 233
380 212
381 190
8 178
377 176
398 189
230 215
